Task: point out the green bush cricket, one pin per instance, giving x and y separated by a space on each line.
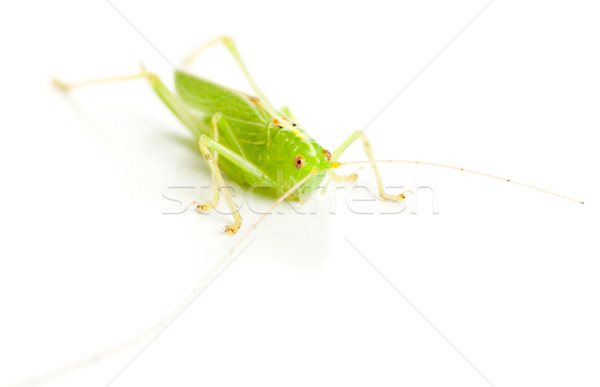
254 143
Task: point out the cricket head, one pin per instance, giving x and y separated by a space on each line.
295 156
304 158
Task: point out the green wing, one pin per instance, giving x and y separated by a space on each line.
209 98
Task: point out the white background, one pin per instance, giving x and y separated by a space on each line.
509 276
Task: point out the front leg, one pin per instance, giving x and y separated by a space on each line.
369 152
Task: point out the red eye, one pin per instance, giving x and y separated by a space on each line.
327 154
298 161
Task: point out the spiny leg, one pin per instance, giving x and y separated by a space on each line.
173 102
204 208
369 152
69 86
251 171
216 176
231 47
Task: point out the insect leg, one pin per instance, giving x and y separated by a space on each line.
338 152
173 102
68 86
219 124
211 149
203 208
231 47
216 176
341 178
369 152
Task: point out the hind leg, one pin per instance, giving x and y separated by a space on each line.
231 47
172 101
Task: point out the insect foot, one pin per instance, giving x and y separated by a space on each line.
389 198
344 178
60 85
202 208
231 229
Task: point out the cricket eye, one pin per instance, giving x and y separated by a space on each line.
298 161
327 154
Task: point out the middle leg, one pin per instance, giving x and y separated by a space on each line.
211 150
206 207
218 188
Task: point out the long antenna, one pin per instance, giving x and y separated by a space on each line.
152 332
336 164
283 197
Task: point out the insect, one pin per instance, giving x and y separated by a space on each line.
253 142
